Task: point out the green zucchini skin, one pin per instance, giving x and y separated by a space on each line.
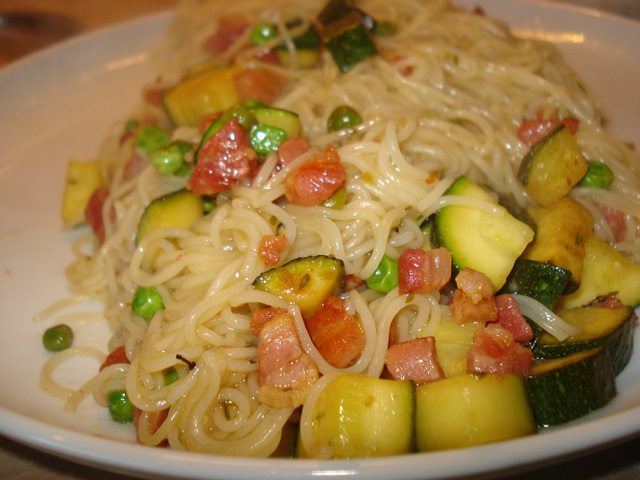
543 281
561 390
611 329
477 238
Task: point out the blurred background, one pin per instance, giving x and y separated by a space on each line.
28 25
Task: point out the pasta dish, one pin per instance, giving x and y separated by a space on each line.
323 205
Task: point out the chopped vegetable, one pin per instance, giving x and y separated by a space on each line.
336 201
262 33
599 175
175 210
553 167
120 407
344 34
170 160
306 281
385 277
280 118
209 92
472 410
170 376
359 416
150 138
146 302
542 281
266 139
605 271
567 388
82 179
343 117
611 328
486 241
57 338
562 230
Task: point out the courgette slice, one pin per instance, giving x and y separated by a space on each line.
82 179
552 167
472 409
359 416
280 118
209 92
542 281
178 209
567 388
479 239
601 327
344 34
453 341
562 230
605 271
305 281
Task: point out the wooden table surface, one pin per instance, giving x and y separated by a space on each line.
17 462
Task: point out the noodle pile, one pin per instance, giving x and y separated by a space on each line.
471 83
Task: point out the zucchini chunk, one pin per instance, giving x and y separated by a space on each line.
178 209
305 281
83 178
542 281
567 388
605 271
208 92
344 34
453 341
280 118
359 416
606 327
561 233
552 167
477 238
472 410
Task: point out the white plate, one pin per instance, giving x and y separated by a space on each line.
59 104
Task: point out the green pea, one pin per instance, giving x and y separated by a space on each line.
242 114
266 138
170 375
150 138
262 33
599 175
337 200
57 338
385 278
170 159
131 125
146 302
120 407
343 117
208 203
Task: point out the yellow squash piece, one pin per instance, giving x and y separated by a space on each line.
562 231
453 341
359 416
178 209
208 92
552 167
605 271
83 178
472 410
